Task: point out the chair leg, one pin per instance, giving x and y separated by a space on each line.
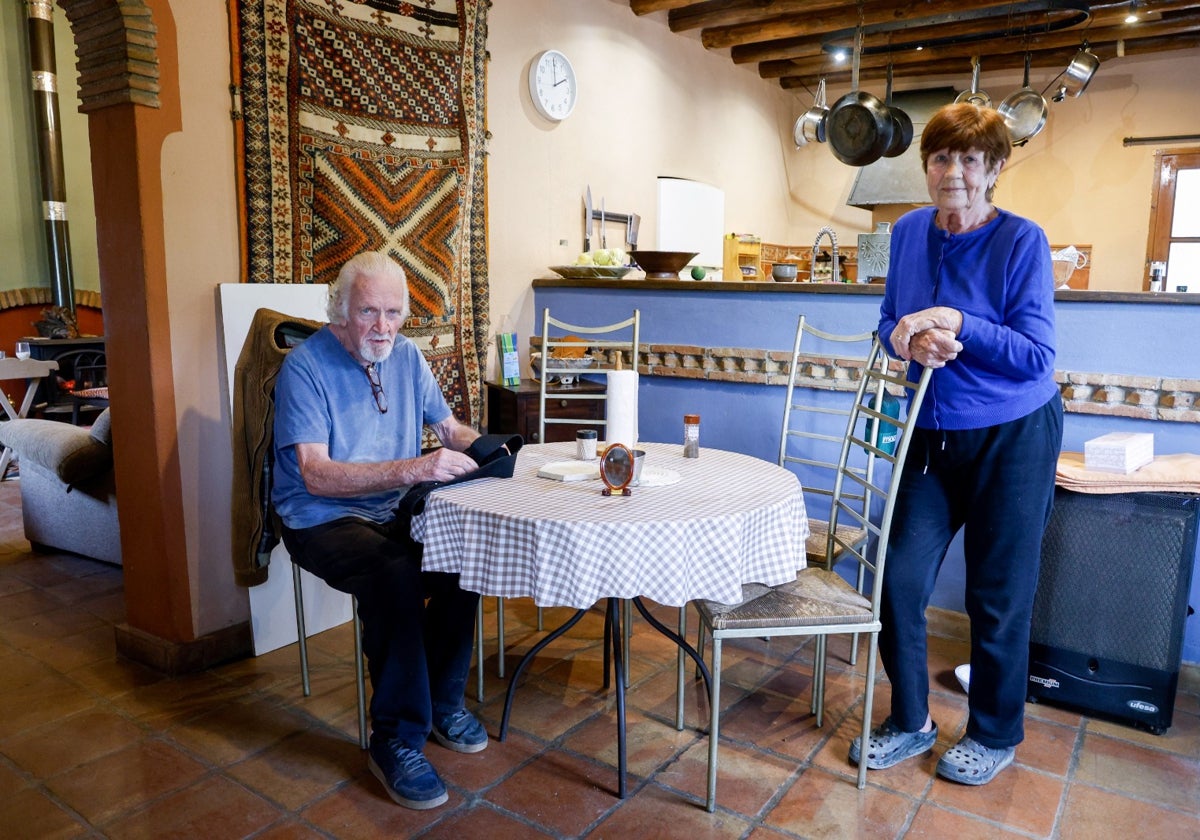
539 620
714 723
499 638
301 635
479 650
818 697
868 702
679 660
359 677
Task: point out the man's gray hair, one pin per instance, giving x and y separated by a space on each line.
368 263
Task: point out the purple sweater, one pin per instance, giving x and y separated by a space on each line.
1000 278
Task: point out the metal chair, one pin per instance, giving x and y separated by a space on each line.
359 677
820 602
810 443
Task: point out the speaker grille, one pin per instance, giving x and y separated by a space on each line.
1114 576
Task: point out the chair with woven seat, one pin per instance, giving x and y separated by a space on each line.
821 602
813 427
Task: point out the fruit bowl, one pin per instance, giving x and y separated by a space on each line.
591 272
662 265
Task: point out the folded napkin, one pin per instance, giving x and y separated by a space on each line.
1166 473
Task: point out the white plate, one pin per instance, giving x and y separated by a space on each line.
963 673
571 470
657 477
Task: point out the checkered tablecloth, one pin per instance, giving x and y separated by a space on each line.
731 519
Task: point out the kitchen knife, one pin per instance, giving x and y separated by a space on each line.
587 220
631 231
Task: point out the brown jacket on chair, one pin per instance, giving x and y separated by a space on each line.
255 523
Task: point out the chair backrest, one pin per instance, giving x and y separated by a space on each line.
879 372
815 413
609 347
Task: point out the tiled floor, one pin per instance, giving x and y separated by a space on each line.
91 746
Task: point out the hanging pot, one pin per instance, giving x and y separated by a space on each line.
810 127
975 96
858 126
1080 71
902 125
1024 112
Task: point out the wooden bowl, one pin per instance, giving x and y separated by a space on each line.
662 265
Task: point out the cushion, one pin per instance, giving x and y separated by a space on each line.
102 428
71 452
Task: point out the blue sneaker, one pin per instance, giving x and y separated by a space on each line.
407 775
461 732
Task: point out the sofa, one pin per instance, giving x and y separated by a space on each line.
68 494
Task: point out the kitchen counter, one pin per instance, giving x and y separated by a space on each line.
735 286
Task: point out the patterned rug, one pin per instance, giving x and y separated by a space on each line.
363 129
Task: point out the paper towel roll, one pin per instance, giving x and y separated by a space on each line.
622 409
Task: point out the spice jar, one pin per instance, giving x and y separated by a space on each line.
691 436
585 444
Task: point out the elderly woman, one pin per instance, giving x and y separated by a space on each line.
970 292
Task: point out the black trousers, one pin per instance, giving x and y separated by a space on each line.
418 627
997 484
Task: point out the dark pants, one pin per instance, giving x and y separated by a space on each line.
997 483
418 653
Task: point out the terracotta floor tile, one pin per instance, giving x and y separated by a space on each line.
546 711
654 812
1018 798
215 809
122 781
12 780
1154 775
482 820
110 679
560 793
821 805
476 771
1092 813
1182 736
747 779
649 743
64 744
776 723
934 823
301 768
1047 746
165 703
95 644
236 729
362 809
290 829
20 605
78 590
37 698
656 697
31 815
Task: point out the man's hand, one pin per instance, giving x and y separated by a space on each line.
934 347
445 464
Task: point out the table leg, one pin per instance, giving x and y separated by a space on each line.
677 639
616 640
15 414
525 660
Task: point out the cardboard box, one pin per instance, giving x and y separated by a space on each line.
1118 452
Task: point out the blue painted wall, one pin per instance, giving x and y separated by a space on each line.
1146 338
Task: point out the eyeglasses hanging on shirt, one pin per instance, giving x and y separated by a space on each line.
381 402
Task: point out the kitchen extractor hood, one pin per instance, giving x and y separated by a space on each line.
900 180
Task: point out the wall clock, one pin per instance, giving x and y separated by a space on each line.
552 85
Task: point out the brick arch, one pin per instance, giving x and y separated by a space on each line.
117 45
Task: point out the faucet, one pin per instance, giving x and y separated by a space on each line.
816 245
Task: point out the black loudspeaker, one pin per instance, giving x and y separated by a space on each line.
1111 604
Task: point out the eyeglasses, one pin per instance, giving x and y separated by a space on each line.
376 388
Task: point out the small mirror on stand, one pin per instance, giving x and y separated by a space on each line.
616 469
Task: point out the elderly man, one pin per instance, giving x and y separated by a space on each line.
351 402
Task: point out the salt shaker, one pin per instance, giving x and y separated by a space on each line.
585 444
691 436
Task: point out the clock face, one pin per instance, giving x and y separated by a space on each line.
552 85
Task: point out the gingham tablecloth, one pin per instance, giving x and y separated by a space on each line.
731 519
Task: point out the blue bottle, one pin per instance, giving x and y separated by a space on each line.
889 434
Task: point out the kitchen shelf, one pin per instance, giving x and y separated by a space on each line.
742 253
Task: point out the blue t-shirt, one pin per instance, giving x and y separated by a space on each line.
323 396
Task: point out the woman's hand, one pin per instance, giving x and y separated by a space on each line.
939 348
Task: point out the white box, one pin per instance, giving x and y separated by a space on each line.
1118 452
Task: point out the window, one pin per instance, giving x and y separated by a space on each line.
1175 220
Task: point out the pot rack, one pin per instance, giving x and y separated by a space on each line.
1059 14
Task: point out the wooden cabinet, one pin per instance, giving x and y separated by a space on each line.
742 258
514 409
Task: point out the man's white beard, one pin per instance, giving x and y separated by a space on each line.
370 353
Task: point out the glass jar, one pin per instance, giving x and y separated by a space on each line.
691 436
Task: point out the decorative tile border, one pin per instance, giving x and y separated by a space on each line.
13 298
1169 399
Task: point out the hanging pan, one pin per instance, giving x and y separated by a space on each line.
975 96
902 124
859 126
1078 74
810 127
1024 112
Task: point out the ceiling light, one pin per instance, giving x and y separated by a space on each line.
839 56
1132 17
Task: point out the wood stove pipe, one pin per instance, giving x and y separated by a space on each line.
50 153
